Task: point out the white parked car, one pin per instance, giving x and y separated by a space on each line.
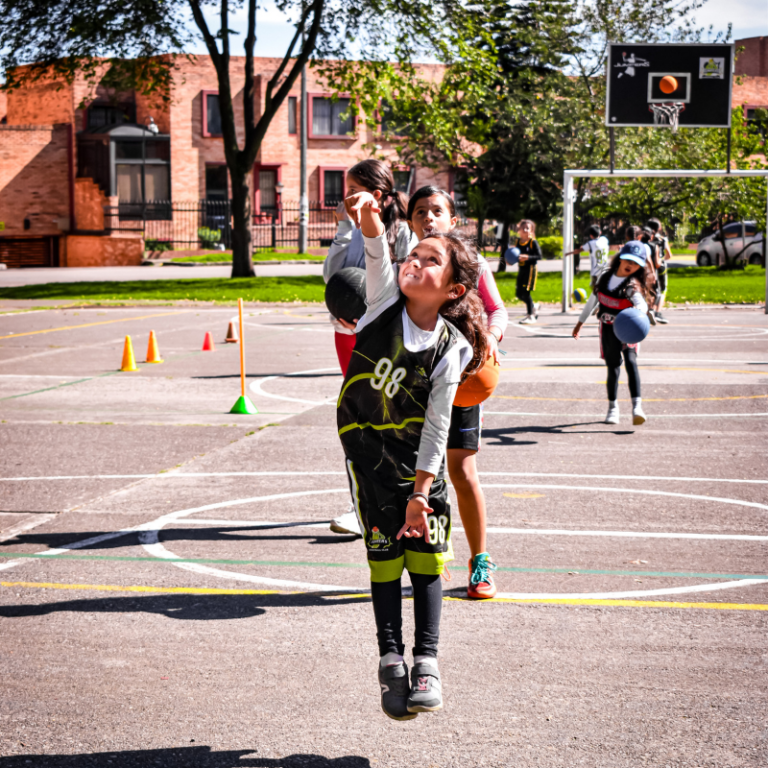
742 242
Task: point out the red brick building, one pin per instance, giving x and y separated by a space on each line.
67 151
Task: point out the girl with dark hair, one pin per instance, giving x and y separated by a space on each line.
626 283
347 248
528 269
432 209
422 333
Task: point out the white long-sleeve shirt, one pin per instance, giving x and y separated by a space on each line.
382 291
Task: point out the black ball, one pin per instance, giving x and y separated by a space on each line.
345 294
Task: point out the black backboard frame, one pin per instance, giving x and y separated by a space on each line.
707 106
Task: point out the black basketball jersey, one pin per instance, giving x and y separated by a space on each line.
383 401
614 301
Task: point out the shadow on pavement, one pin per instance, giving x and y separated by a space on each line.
183 607
131 539
506 435
183 757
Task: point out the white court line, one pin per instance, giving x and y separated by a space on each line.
652 416
309 473
321 328
25 525
746 335
255 386
149 537
495 529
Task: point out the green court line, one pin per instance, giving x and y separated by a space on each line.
309 564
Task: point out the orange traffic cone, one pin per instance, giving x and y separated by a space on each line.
231 334
129 361
208 343
153 353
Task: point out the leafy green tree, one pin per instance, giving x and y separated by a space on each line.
135 44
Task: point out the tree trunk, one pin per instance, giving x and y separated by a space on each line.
480 238
242 263
503 249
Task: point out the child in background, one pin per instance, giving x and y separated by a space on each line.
625 284
530 253
347 248
432 209
424 330
664 253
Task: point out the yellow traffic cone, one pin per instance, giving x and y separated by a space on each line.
153 353
129 361
231 334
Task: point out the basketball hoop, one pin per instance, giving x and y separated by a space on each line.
667 114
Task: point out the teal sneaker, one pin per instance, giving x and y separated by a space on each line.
481 585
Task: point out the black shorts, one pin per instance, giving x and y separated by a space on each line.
466 426
381 512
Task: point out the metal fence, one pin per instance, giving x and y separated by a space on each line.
207 224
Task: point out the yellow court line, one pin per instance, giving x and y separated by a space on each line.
645 399
624 603
550 601
90 325
164 590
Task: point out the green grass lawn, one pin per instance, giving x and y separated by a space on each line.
693 284
226 256
688 284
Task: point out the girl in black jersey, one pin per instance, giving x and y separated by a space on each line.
423 331
530 253
626 283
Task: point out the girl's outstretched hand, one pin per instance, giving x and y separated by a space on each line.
493 347
416 520
341 212
575 332
355 203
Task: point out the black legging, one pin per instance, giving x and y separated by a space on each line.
612 351
524 295
427 605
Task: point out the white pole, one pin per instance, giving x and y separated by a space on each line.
567 238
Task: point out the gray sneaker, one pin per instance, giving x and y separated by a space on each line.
661 319
426 689
394 691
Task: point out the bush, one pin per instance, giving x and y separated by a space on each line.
158 246
209 238
551 247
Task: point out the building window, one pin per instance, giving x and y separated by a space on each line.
108 115
459 190
332 186
326 117
403 181
216 182
757 117
211 114
292 111
389 125
267 190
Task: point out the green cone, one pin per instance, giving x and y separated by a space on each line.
244 405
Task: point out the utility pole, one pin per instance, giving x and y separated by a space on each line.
303 197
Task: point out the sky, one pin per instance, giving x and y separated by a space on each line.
274 31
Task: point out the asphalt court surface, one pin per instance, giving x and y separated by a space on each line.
171 594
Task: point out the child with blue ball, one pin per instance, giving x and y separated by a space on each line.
625 284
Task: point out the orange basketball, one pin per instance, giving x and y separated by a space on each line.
479 386
668 84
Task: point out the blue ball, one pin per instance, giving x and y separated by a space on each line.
512 256
579 295
631 326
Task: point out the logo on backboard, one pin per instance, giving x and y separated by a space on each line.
711 69
629 62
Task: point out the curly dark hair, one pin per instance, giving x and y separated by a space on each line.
466 312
